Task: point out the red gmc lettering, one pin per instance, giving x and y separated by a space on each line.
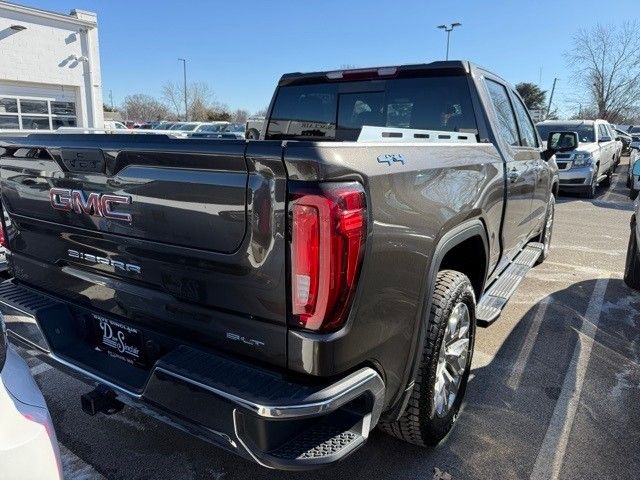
96 204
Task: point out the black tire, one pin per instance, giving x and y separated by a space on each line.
252 134
420 423
633 193
632 264
590 191
548 226
628 181
606 183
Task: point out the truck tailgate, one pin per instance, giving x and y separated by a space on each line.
182 236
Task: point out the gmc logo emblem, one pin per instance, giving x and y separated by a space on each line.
97 204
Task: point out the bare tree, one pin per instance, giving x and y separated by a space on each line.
142 108
199 99
261 113
173 95
606 62
239 115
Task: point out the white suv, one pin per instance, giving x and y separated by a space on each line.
593 162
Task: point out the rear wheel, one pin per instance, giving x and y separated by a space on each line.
606 183
444 365
632 264
252 134
590 191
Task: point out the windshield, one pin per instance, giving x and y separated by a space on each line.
586 133
635 129
338 111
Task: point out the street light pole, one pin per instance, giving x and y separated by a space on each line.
448 29
184 71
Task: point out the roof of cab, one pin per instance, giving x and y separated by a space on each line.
571 122
451 67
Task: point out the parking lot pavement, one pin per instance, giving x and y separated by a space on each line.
553 394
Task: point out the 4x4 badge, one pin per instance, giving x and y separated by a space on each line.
391 158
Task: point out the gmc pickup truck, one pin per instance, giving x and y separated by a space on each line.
281 298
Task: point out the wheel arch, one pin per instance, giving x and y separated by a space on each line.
452 242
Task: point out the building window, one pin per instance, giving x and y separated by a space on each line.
36 114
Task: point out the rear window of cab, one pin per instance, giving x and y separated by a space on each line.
338 111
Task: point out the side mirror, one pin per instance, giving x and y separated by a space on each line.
604 139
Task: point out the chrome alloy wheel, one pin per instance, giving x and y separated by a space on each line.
452 360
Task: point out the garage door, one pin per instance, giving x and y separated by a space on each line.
37 107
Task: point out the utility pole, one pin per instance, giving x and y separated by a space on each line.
111 99
553 89
448 29
184 71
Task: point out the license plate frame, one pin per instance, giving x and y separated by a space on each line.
119 340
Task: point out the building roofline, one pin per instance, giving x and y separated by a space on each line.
46 14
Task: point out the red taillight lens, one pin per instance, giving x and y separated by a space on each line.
3 239
328 229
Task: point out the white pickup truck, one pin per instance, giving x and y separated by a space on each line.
595 159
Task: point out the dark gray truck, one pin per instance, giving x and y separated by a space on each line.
281 298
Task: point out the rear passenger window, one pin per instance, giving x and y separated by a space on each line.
529 138
504 112
602 131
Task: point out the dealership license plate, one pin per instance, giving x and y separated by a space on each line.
119 340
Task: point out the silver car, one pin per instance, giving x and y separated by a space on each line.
593 162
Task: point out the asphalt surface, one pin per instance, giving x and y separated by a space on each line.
553 394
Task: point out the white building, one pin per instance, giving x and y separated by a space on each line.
49 69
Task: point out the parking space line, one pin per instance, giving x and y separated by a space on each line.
74 468
554 446
40 368
525 352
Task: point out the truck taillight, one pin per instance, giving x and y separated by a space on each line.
328 230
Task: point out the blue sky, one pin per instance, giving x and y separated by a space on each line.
242 47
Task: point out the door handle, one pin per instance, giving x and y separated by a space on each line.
513 175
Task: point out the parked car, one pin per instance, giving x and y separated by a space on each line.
211 127
632 264
297 291
253 127
113 125
625 138
618 145
28 444
164 125
226 130
590 165
633 180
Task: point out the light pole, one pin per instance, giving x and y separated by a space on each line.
448 29
184 71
